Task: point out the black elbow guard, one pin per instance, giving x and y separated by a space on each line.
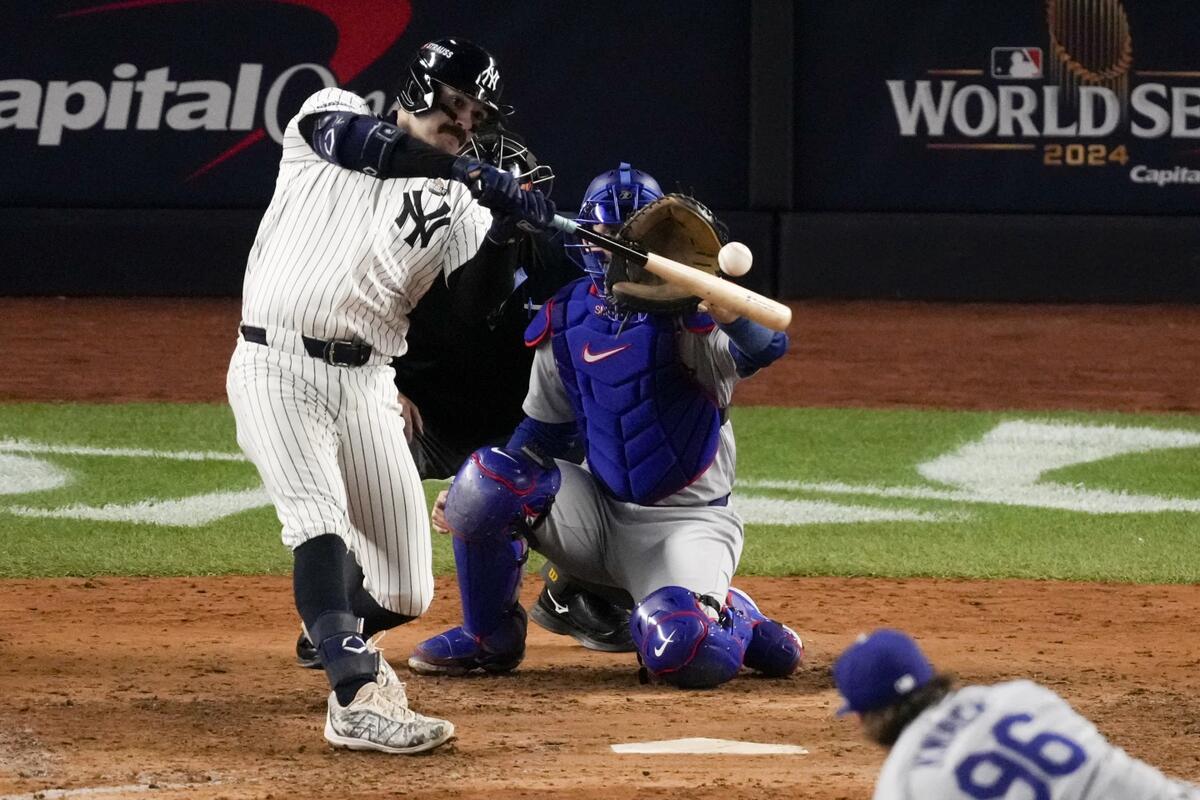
354 141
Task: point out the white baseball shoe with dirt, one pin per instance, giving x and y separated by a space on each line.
378 718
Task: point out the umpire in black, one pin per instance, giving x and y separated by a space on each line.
466 370
466 373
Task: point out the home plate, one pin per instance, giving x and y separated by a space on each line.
710 746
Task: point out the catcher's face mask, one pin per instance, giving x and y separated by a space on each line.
609 200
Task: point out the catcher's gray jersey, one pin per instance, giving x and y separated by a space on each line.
679 541
1015 740
343 255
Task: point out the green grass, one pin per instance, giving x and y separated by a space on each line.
860 447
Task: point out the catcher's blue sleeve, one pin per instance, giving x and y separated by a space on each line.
753 346
550 439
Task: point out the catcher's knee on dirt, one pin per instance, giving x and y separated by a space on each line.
684 641
497 498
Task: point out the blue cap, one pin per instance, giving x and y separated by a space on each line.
879 669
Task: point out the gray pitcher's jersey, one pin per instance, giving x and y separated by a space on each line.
1015 740
707 355
342 255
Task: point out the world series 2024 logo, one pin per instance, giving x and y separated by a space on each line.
1081 90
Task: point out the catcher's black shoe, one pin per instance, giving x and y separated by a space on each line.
594 622
306 652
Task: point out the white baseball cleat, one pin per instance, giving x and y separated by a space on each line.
378 718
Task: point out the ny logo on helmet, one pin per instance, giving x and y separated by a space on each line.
489 77
625 194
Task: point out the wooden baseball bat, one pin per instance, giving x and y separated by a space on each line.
730 296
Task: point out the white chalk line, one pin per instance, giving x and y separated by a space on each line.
188 512
24 446
705 746
94 791
756 509
1065 498
1003 468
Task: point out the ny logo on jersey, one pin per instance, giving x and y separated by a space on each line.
424 224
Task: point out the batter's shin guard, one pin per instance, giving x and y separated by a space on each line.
344 652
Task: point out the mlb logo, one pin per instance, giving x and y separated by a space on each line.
1021 63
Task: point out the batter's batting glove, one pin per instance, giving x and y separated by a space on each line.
466 169
490 186
498 190
536 213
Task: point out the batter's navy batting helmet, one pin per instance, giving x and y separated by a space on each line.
457 63
506 150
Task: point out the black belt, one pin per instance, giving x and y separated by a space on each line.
336 353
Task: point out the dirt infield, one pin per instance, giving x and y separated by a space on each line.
185 687
1124 358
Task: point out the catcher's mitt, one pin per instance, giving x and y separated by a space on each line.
678 227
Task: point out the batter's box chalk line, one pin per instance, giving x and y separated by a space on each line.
704 746
89 792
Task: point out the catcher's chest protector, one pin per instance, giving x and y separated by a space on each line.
649 428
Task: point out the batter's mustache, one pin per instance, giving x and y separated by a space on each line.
455 131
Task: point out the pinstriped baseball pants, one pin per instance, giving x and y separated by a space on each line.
329 444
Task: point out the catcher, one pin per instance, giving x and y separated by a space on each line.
641 378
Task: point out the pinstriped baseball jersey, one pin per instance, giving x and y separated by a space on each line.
341 255
1015 740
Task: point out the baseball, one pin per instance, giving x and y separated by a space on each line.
735 259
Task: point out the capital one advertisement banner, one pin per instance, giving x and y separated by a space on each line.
181 103
999 105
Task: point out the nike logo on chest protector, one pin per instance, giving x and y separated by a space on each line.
592 358
649 428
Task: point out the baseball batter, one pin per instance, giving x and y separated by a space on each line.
366 214
1010 740
647 395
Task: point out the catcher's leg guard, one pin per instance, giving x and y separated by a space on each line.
497 496
680 643
775 650
458 652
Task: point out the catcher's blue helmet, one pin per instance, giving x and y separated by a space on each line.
609 200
